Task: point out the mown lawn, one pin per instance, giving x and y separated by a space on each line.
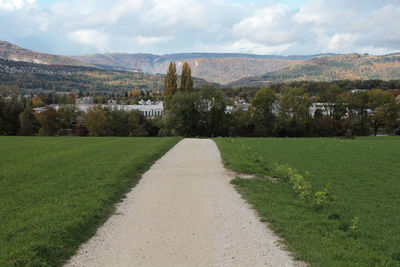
365 175
55 192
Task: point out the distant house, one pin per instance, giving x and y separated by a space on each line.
229 109
325 108
88 100
242 104
358 90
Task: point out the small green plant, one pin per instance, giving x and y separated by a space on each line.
298 182
355 224
284 172
302 187
324 198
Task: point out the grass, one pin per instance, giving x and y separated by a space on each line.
365 175
55 192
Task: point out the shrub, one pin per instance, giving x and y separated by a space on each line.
324 198
284 172
301 186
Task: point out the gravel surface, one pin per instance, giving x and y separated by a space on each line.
184 212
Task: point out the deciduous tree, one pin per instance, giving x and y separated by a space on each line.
186 79
97 121
293 112
9 115
214 118
264 104
170 84
383 109
184 114
29 125
48 121
66 115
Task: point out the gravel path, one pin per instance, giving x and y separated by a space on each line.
184 212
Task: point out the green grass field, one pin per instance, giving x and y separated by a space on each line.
55 192
365 175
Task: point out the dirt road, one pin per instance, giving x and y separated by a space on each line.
184 212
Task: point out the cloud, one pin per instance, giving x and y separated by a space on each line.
11 5
157 26
152 40
340 41
92 38
246 46
352 26
272 25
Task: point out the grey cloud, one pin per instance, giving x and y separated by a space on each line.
155 26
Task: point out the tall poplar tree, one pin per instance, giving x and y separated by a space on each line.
186 79
170 84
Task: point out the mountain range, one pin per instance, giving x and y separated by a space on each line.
35 78
228 69
10 51
340 67
220 68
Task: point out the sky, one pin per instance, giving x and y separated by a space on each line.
282 27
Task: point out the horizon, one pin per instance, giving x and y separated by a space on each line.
259 27
212 53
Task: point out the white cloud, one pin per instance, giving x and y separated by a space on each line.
245 46
157 26
92 38
269 25
11 5
152 40
123 8
341 41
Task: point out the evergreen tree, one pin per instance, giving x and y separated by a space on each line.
170 84
186 79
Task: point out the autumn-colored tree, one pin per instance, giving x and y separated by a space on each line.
134 94
37 102
170 84
186 79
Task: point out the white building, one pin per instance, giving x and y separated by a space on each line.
324 107
148 110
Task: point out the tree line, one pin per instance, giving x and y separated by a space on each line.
303 109
299 109
19 118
